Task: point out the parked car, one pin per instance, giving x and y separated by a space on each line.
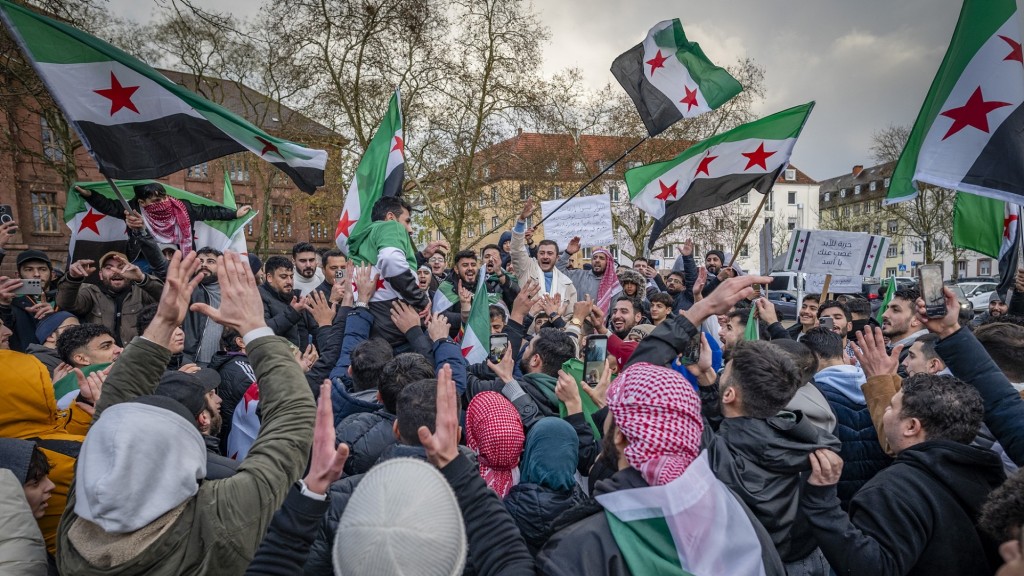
978 292
966 306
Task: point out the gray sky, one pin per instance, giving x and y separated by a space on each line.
867 63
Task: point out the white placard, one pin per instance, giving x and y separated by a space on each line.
838 285
836 253
589 217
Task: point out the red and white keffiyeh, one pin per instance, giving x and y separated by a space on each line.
659 413
609 285
170 224
495 432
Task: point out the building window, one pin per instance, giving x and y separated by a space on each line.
494 194
588 253
470 231
886 183
770 204
494 222
744 251
893 227
52 148
634 164
961 267
556 192
791 198
856 209
856 189
613 191
486 171
579 167
873 186
791 224
867 207
719 224
790 174
439 235
984 267
482 200
529 222
828 196
694 222
198 172
745 199
878 227
917 246
524 191
483 228
835 213
846 210
615 252
892 252
890 271
842 193
238 168
46 214
553 167
743 223
281 221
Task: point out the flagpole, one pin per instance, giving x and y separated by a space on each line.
750 225
594 179
117 192
1019 247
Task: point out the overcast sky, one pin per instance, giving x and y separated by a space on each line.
867 63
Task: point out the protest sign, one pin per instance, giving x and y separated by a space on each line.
589 217
839 285
836 253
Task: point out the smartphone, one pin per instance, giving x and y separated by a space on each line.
30 287
6 213
929 282
690 354
827 322
339 274
499 345
594 356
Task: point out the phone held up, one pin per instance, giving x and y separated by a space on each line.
6 213
827 322
929 281
594 355
30 287
499 345
690 353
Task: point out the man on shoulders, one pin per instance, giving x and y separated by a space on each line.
543 268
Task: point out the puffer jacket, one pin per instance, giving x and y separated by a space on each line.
236 375
119 313
535 508
368 435
281 317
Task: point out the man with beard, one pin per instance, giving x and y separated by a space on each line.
123 291
194 392
595 283
900 324
499 280
282 310
307 275
334 262
202 335
23 314
541 269
842 322
625 315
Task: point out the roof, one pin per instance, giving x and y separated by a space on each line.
252 105
573 157
834 186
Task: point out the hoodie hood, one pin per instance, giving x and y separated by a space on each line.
506 236
968 472
138 462
844 379
779 444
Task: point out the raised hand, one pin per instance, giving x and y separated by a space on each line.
698 286
366 282
766 310
524 300
597 320
7 231
242 211
527 210
320 308
132 272
404 316
724 297
505 367
326 461
239 295
190 368
552 303
434 247
174 301
89 388
581 309
568 392
599 394
306 359
574 245
81 269
439 328
948 324
687 248
870 352
8 287
134 220
442 446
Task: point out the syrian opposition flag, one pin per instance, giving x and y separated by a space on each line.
692 525
476 341
245 424
968 134
991 227
445 297
668 77
94 233
718 170
380 173
753 330
134 121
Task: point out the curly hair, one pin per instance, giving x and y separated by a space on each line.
948 408
1003 512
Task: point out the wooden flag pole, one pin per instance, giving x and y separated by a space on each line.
824 288
750 226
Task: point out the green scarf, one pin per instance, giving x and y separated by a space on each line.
546 384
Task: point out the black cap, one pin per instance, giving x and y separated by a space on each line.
184 388
167 404
29 255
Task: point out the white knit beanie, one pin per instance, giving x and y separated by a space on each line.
402 519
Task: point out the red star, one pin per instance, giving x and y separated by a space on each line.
704 163
466 351
119 96
399 145
344 225
657 62
252 394
974 113
1006 225
757 157
1015 50
691 98
380 283
667 191
89 221
268 147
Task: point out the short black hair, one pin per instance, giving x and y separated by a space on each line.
634 302
489 247
1003 512
948 408
333 253
663 298
146 191
679 274
75 338
765 376
928 342
145 317
1004 342
640 259
209 250
859 306
497 312
813 297
389 205
276 262
836 304
302 247
38 466
548 243
801 355
416 407
909 294
367 362
826 344
464 254
554 347
398 373
227 340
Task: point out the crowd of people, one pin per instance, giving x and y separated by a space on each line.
187 411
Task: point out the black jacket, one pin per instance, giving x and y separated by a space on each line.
281 317
236 375
535 508
22 324
762 462
917 517
587 546
368 435
217 465
195 212
285 547
195 324
862 453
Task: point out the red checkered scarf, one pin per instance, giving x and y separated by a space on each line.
609 281
659 413
495 432
170 223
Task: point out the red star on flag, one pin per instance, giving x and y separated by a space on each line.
974 113
119 96
399 145
344 225
252 394
467 350
89 221
757 157
704 163
1006 225
1015 50
657 62
667 191
691 98
268 147
380 283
